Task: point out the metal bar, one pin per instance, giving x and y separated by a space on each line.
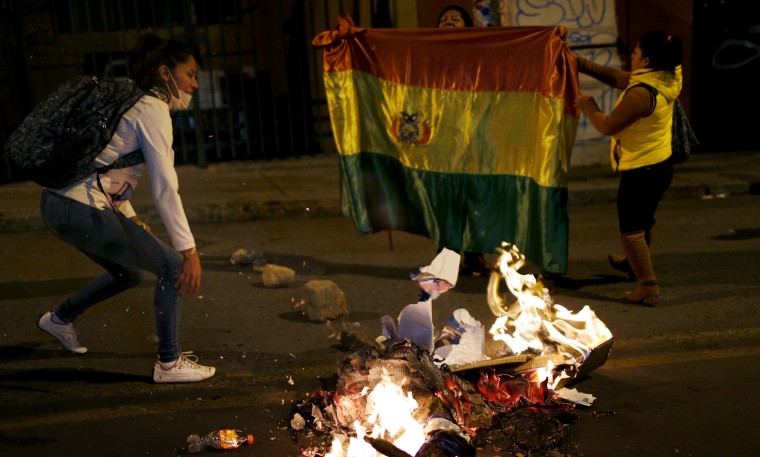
288 87
275 128
259 117
60 54
211 82
200 139
303 83
319 101
355 10
226 69
246 139
137 14
224 89
327 11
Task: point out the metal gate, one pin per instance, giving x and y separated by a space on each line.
261 93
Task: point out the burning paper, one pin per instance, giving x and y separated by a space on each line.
415 322
533 323
528 322
445 266
387 394
461 340
579 398
387 397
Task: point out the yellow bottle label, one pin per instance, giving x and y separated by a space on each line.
228 439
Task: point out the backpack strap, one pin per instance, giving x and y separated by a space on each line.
131 159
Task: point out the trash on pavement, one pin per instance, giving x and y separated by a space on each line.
223 439
499 387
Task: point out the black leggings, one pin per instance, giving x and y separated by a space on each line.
639 193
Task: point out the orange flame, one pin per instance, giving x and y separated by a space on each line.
532 322
389 414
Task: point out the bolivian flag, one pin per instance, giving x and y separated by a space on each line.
460 135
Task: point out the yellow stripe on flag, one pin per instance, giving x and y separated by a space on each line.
484 133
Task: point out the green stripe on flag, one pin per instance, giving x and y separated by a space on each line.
457 210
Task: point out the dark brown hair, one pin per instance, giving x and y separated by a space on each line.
664 51
150 53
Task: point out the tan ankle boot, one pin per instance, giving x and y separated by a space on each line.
637 252
647 293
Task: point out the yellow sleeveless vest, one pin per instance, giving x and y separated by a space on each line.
647 141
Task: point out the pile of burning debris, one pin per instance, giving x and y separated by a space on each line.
408 394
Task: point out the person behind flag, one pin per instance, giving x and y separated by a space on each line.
454 16
640 129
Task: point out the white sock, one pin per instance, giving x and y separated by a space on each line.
167 365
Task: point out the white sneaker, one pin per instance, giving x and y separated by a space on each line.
64 333
185 370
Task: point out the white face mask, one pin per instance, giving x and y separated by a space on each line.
181 102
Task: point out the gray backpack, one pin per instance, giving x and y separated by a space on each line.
57 143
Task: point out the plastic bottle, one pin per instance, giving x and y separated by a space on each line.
218 439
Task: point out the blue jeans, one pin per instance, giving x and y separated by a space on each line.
124 249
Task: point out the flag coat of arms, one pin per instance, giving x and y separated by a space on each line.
460 135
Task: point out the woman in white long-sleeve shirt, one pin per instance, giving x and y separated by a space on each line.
98 219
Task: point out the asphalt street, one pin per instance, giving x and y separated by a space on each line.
681 380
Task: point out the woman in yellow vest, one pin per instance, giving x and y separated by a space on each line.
640 125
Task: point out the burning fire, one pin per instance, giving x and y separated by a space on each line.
533 323
389 412
382 406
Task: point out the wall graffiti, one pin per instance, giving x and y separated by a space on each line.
592 33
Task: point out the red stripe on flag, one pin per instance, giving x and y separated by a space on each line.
526 59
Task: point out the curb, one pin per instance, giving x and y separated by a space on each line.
250 211
309 187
